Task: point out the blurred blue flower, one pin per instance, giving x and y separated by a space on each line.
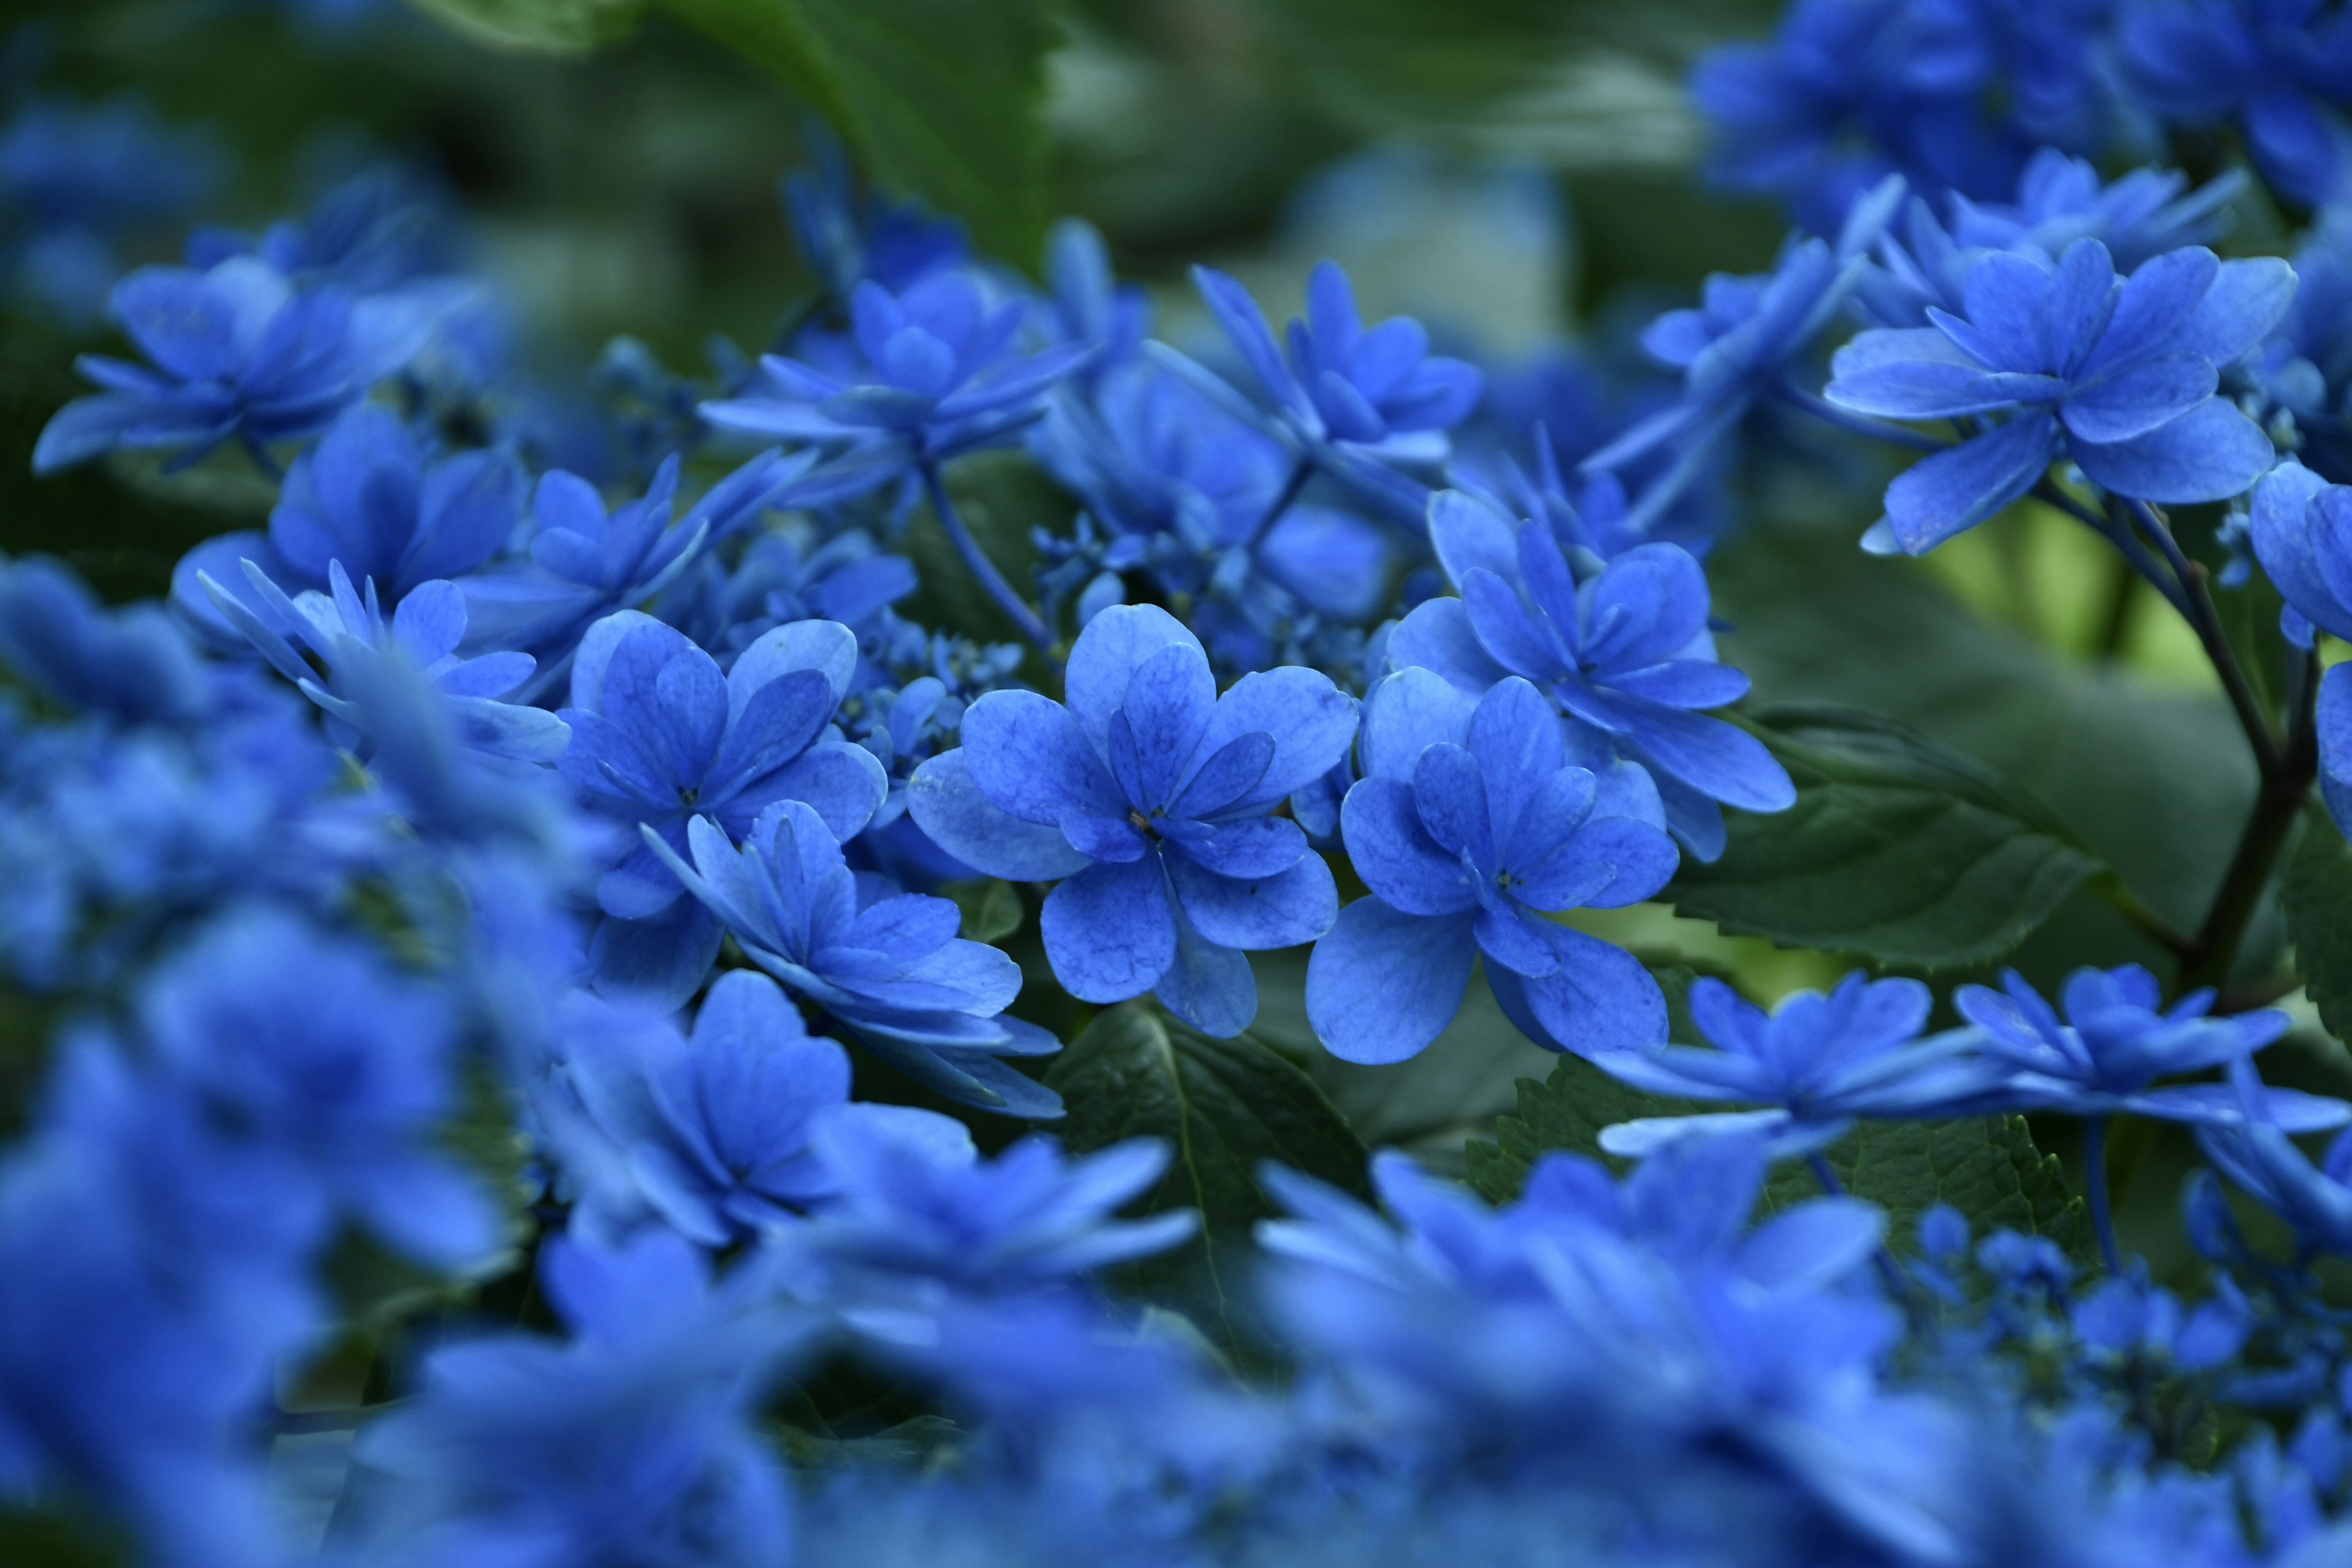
787 574
1357 402
634 1444
1819 1061
917 1220
1084 302
2119 375
237 352
1147 799
846 238
2257 1154
1951 93
133 662
78 180
1468 826
2301 531
374 496
1742 343
2104 1057
659 737
2129 1318
2306 369
711 1132
1619 649
348 1094
379 231
892 972
2281 67
939 373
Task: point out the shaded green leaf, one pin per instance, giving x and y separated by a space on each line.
1224 1106
561 26
991 908
1897 848
941 99
2317 892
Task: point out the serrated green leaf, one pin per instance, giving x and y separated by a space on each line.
991 908
941 99
554 26
1897 848
2317 892
1986 1167
1224 1106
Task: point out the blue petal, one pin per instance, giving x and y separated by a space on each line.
2139 397
1284 910
662 960
1950 492
1437 636
1601 998
1395 856
1208 986
950 809
1407 713
1109 932
1312 722
1106 658
1028 755
1382 985
2210 453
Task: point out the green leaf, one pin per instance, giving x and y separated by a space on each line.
1224 1106
1986 1167
941 99
2317 892
53 1538
991 908
1897 849
554 26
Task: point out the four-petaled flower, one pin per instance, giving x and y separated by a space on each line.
1470 826
1147 799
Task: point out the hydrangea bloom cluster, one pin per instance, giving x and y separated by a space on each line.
718 992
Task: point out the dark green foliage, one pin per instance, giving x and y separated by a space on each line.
1225 1106
1897 849
2317 892
1986 1167
991 908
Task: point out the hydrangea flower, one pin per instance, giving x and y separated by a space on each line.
892 972
1851 89
346 1095
1147 799
711 1131
1356 401
2104 1057
1084 302
847 236
2256 1153
132 662
659 737
2118 374
76 180
373 496
1469 826
346 631
236 351
2281 68
1741 343
918 1219
939 373
1620 649
584 563
1818 1061
2302 532
632 1443
787 574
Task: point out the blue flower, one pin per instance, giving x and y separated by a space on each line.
2306 369
1851 89
238 351
373 496
659 736
2255 1153
313 1047
2104 1057
382 229
76 180
787 576
346 631
846 238
2279 67
917 1218
2130 1320
132 662
893 972
939 374
1085 303
1469 826
1620 649
1147 799
2118 376
1742 343
1820 1061
584 563
1357 402
632 1444
2301 530
711 1133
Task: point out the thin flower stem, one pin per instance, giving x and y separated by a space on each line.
2213 951
991 580
2196 606
1829 413
2094 1179
1300 472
